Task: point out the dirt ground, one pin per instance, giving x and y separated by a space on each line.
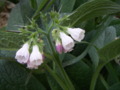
4 14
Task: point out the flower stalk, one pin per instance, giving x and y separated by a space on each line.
59 64
56 77
96 74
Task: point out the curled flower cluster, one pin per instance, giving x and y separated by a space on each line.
32 60
65 40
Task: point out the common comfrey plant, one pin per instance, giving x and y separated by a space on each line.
63 40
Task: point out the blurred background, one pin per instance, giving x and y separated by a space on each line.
5 8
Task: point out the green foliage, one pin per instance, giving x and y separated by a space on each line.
115 87
110 51
67 5
80 73
92 9
15 77
84 64
20 15
107 36
10 40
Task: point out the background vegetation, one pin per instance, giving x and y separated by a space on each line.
90 66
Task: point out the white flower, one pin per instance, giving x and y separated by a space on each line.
22 54
36 58
76 33
31 65
67 42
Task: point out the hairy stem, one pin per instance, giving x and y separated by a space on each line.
59 64
56 77
96 74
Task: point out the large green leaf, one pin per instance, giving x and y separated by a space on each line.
115 87
117 29
80 75
79 2
52 82
92 9
117 1
20 15
110 51
7 54
106 37
10 40
33 4
113 76
14 77
67 5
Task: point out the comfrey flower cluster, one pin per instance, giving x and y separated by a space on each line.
32 60
65 39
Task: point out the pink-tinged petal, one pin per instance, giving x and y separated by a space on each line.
59 49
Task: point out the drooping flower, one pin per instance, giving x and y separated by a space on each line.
22 54
76 33
59 46
67 42
31 65
36 58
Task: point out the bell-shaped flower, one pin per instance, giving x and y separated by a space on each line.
59 47
31 65
76 33
22 54
67 42
36 57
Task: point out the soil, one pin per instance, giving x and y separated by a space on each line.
4 14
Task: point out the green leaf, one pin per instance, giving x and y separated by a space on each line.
79 2
117 1
33 4
115 87
52 82
80 74
10 40
75 60
110 51
14 77
67 5
106 37
20 15
112 76
7 54
94 56
92 9
116 24
40 5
